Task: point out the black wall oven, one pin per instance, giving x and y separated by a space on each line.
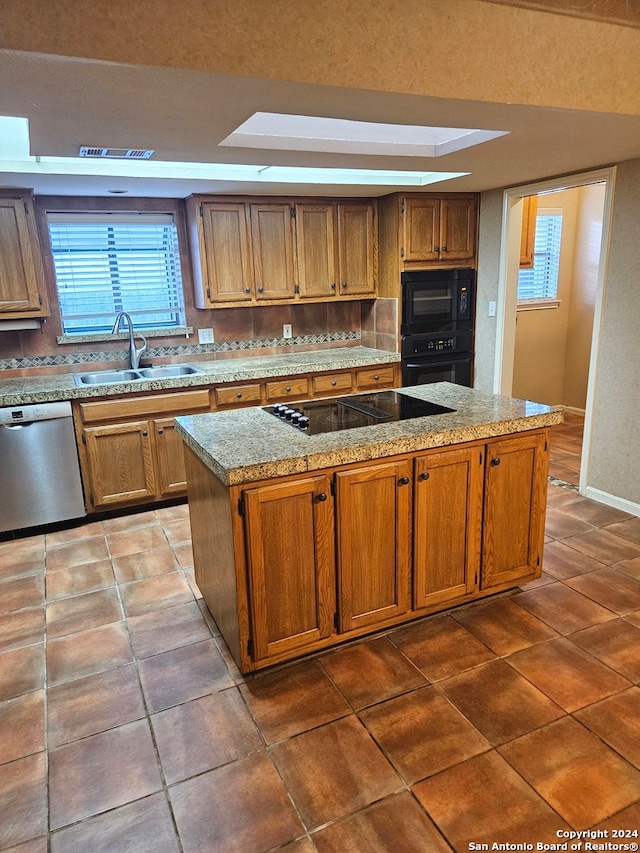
438 309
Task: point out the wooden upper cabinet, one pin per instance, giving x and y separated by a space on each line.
315 242
514 510
439 229
421 229
272 237
290 564
458 229
22 287
373 543
226 255
357 249
528 234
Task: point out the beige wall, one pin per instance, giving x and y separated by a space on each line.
614 464
466 49
586 264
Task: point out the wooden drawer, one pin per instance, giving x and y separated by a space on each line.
238 395
135 407
339 382
292 388
373 377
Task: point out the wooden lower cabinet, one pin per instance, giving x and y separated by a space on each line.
300 563
130 453
373 514
290 564
514 510
120 464
447 525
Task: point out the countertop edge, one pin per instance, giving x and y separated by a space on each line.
241 475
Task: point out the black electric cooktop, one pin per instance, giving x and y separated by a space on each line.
338 413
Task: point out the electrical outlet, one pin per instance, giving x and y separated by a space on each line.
492 309
286 330
205 336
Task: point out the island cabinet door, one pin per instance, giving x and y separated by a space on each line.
291 566
447 521
373 514
514 509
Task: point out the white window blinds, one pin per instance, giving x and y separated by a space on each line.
111 262
541 282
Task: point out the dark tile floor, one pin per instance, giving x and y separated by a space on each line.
125 726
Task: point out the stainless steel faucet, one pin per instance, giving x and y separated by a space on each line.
135 353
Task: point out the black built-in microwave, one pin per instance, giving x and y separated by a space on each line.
437 300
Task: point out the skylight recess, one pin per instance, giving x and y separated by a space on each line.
15 158
284 132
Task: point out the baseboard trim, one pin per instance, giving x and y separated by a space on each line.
611 500
573 411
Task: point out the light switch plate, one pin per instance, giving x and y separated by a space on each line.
205 336
286 330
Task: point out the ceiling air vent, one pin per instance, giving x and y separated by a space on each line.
116 153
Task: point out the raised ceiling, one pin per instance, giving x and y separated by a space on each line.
185 113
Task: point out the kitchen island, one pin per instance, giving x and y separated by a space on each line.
305 541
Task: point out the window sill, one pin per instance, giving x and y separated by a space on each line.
177 332
537 304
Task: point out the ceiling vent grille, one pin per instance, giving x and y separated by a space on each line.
116 153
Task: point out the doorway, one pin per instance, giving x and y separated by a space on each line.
507 308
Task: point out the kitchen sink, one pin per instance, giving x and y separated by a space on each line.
168 370
116 377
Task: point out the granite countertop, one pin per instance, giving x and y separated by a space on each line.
48 389
247 445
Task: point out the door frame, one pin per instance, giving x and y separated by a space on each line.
507 287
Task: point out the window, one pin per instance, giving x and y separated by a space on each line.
541 282
111 262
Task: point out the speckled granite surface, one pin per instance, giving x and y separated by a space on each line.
247 445
47 389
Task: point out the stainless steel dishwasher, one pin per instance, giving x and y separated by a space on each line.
39 468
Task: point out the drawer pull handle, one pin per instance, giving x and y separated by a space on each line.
160 432
376 377
260 288
495 461
424 475
333 285
404 481
239 395
247 289
145 433
333 382
344 283
288 388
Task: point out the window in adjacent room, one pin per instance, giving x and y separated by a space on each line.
538 287
111 262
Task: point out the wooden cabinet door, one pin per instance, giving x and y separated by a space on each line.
356 249
458 229
447 521
171 474
373 543
528 233
273 251
315 244
22 290
514 509
120 462
290 562
229 274
421 229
